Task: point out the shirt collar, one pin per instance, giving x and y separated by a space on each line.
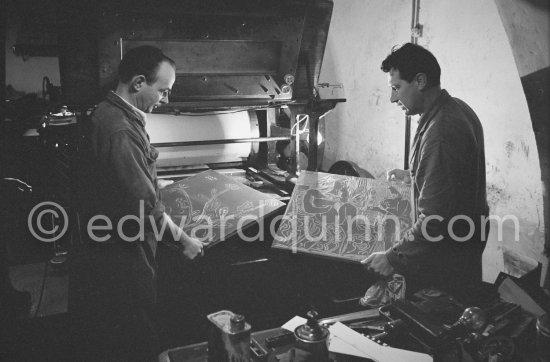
122 103
431 110
424 121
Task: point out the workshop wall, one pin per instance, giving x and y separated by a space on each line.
478 66
527 24
367 129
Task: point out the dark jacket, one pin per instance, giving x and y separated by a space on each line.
448 179
122 177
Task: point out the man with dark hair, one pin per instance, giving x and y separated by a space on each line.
443 248
124 217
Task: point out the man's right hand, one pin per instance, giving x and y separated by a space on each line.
399 175
191 246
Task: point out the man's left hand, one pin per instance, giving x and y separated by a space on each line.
191 247
163 183
378 262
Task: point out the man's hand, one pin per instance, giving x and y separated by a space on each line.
191 246
378 262
399 175
163 183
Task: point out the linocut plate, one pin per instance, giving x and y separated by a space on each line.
344 217
213 207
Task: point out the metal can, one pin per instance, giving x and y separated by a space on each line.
229 337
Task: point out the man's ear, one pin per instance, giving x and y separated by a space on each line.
138 81
421 81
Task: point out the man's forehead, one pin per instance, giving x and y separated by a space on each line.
393 76
166 74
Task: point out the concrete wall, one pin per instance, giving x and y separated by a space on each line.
527 23
367 129
478 66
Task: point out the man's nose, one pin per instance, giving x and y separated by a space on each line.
164 99
393 97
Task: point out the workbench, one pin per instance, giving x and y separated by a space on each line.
198 352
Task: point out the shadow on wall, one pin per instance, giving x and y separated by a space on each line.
526 23
537 90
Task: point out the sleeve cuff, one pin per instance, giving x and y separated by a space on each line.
158 214
394 258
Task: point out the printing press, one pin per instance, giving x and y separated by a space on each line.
246 103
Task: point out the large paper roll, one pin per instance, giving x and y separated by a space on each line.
164 128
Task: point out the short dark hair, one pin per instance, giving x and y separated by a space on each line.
411 59
143 60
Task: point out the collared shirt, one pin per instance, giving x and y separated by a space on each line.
448 178
139 111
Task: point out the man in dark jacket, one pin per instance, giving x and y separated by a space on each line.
443 248
124 216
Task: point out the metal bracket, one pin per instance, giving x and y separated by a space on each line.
417 30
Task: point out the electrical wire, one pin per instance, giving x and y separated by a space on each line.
44 277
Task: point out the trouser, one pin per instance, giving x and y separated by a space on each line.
117 335
454 268
112 304
458 277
